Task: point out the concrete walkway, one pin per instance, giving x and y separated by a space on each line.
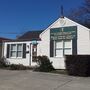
28 80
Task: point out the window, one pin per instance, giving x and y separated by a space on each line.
13 50
63 47
19 50
58 48
67 47
16 50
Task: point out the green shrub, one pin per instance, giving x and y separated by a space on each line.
78 65
3 63
44 64
17 67
6 65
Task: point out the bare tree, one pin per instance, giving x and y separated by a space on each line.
82 14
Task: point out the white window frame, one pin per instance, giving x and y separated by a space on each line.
20 51
16 51
12 51
63 48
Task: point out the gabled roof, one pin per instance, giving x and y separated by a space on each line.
30 35
3 39
65 18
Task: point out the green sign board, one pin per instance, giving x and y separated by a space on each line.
63 33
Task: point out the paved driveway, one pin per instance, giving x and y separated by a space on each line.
28 80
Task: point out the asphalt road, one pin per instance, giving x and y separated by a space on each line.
28 80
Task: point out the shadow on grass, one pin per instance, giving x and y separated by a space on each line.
59 72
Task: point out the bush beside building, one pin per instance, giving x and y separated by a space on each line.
44 64
78 65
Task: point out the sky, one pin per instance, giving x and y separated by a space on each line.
19 16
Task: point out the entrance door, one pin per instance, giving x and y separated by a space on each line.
33 54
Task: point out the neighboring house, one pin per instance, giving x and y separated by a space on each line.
63 37
1 45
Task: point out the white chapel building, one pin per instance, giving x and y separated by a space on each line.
63 37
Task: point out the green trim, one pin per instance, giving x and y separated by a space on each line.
63 33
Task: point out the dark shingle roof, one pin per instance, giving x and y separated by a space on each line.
3 39
30 35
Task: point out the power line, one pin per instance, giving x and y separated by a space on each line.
9 33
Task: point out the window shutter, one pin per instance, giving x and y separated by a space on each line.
8 49
51 48
74 46
24 50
